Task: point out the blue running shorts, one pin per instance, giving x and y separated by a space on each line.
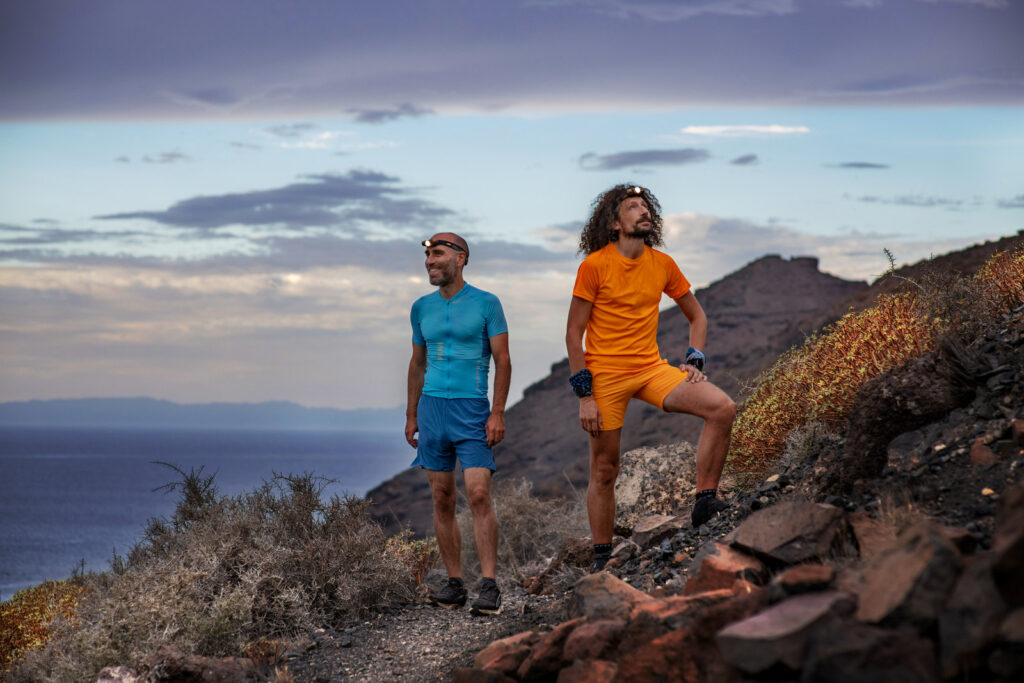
450 428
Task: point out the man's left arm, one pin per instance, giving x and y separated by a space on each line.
502 379
691 308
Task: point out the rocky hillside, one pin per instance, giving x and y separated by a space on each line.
751 318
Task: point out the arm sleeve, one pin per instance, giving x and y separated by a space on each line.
495 318
676 285
417 334
587 280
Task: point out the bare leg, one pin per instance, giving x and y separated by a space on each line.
449 540
485 524
604 469
705 400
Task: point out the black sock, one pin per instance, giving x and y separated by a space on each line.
455 581
487 580
602 551
706 493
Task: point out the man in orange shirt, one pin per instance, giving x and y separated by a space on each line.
615 302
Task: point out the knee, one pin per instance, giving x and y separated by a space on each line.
444 499
603 475
479 498
725 411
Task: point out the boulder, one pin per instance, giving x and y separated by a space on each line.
1007 658
803 578
790 532
719 566
971 620
507 654
653 529
1008 544
575 552
654 480
603 596
593 640
463 674
667 658
846 651
911 583
546 656
171 664
873 537
650 620
590 671
779 635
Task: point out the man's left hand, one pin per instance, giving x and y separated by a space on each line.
495 429
693 375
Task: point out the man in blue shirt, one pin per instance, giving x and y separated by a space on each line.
455 332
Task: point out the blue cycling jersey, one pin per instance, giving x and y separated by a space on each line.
457 334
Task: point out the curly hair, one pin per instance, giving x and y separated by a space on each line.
605 211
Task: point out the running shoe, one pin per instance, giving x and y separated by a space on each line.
451 595
706 508
489 600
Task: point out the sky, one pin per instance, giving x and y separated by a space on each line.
223 201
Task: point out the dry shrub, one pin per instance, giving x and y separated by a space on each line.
223 572
818 381
25 619
897 509
531 531
419 555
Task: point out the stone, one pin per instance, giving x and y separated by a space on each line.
507 654
719 566
779 635
1017 431
625 551
117 674
653 619
961 537
846 651
593 640
575 552
653 529
654 480
171 664
1008 545
667 658
981 454
590 671
911 583
873 537
790 532
546 656
803 578
463 674
603 596
971 619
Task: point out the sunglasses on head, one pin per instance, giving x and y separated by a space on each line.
442 243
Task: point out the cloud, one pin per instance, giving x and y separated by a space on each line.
642 158
123 160
920 201
745 160
859 165
743 131
385 115
57 236
318 200
1012 203
992 4
245 145
290 130
666 10
166 158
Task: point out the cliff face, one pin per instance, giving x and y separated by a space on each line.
752 314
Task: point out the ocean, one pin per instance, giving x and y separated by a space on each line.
68 495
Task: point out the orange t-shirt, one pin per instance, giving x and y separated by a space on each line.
623 328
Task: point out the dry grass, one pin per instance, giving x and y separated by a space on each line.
818 381
223 573
531 531
26 619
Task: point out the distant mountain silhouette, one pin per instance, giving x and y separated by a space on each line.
155 413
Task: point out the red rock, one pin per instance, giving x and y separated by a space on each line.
790 532
1012 628
546 656
507 654
971 620
779 634
651 620
603 596
171 664
1008 544
663 659
873 537
849 652
912 582
804 578
464 674
654 529
963 539
720 566
1007 658
591 671
1017 431
981 454
593 640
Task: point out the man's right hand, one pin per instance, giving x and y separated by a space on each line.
590 415
411 427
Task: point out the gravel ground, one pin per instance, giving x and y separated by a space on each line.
416 642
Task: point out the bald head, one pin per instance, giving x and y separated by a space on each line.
457 239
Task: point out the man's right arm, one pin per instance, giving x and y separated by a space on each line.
579 315
417 371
